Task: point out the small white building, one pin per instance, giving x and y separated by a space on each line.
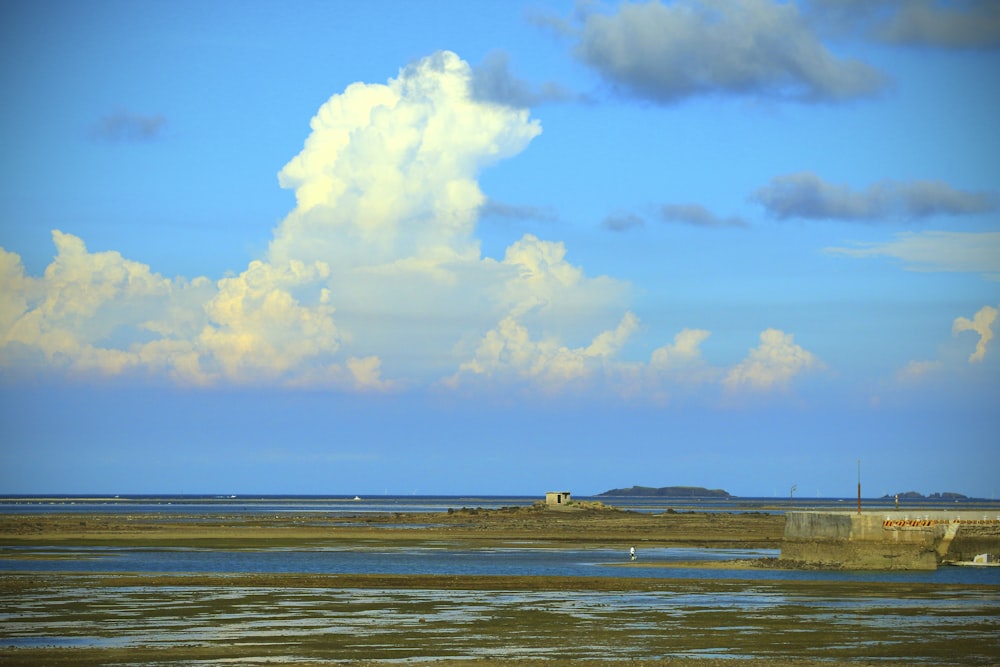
557 498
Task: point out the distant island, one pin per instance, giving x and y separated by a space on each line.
914 495
669 492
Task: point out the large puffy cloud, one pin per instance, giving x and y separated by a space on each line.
544 292
805 195
374 281
544 285
387 197
973 252
98 312
772 364
389 171
76 314
509 352
376 270
982 324
258 328
667 52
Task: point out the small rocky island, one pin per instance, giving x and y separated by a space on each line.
914 495
668 492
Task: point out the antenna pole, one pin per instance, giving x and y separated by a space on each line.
859 486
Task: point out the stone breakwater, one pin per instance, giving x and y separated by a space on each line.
886 540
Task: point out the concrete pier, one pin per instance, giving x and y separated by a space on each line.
888 540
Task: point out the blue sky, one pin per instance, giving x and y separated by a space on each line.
499 247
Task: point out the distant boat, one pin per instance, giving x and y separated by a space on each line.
979 560
969 563
357 497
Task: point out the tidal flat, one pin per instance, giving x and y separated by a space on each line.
57 615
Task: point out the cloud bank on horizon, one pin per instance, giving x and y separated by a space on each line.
376 280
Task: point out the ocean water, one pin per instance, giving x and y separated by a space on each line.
276 504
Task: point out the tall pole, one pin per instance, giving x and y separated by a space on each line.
859 486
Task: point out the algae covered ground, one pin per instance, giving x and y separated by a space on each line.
58 617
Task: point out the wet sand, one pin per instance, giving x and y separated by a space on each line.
457 621
260 619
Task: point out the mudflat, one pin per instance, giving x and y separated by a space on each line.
595 526
101 618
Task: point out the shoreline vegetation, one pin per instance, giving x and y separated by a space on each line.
464 620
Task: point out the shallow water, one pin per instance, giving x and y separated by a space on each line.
446 559
359 559
734 620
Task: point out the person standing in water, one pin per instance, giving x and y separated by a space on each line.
631 553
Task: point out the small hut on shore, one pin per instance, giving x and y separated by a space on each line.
557 498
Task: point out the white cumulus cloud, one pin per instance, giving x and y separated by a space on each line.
258 329
78 314
389 171
509 351
982 324
375 280
772 364
683 352
950 358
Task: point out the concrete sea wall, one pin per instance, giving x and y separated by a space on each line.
877 540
